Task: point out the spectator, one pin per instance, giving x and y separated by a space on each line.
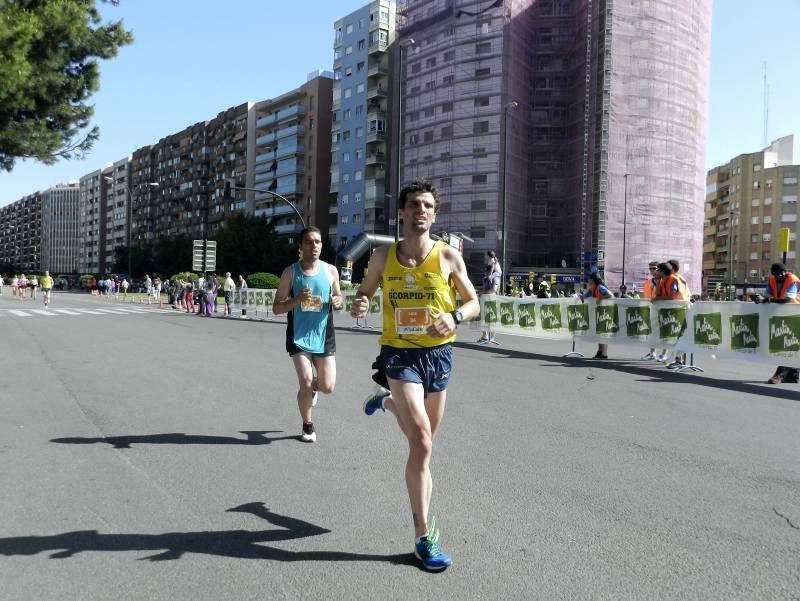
648 292
228 288
491 285
188 297
597 290
782 288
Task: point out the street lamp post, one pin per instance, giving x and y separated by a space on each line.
508 105
230 187
402 44
624 227
129 215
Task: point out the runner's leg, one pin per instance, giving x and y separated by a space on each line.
305 380
325 381
408 404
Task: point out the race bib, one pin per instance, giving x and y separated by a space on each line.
313 303
412 320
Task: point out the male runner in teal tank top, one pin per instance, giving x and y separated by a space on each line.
307 292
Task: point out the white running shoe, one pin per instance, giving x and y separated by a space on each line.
649 356
308 434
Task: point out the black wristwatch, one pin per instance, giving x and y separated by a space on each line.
457 317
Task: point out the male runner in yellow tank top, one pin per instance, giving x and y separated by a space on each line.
420 277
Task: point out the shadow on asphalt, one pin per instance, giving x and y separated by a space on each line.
664 375
242 544
125 442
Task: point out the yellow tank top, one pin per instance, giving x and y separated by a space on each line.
412 298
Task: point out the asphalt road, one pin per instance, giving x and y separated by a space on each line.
154 455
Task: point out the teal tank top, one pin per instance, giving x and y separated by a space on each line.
310 326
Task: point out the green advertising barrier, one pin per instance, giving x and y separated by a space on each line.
606 320
708 330
671 324
637 322
375 304
784 334
578 318
526 316
744 332
550 317
507 314
490 314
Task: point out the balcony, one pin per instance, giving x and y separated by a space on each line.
289 131
267 156
375 158
333 209
291 189
378 69
265 177
375 110
289 150
286 113
289 169
710 230
374 196
288 228
334 187
375 136
377 47
277 209
376 92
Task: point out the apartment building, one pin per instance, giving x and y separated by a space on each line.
21 229
177 184
517 101
117 205
40 231
60 249
748 201
292 155
362 99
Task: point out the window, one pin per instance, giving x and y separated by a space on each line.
789 199
767 202
349 28
447 79
357 218
765 238
358 175
754 238
359 154
429 85
361 44
360 88
345 157
449 56
413 139
348 71
756 185
348 92
430 63
345 177
767 218
447 132
480 178
754 256
446 182
789 181
447 107
347 113
362 23
482 101
357 197
482 27
754 220
416 67
788 217
346 134
755 202
479 152
359 110
427 136
481 127
345 199
344 219
483 48
428 112
337 74
360 66
359 132
348 50
756 168
768 184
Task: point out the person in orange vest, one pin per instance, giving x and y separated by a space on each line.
669 288
649 289
596 288
683 288
782 287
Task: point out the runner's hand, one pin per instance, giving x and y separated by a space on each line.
336 301
305 294
360 306
443 325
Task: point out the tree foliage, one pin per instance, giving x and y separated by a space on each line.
48 71
248 244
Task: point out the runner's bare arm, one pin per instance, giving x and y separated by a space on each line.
369 284
284 302
471 307
336 290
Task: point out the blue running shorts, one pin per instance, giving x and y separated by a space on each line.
427 366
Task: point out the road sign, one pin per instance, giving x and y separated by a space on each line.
197 255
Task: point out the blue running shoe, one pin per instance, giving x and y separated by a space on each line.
428 551
375 401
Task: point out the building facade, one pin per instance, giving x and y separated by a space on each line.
534 114
748 201
177 184
60 221
362 99
40 231
292 155
117 206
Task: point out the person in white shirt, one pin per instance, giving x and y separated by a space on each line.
228 287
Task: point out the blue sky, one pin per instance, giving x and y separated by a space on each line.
194 58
